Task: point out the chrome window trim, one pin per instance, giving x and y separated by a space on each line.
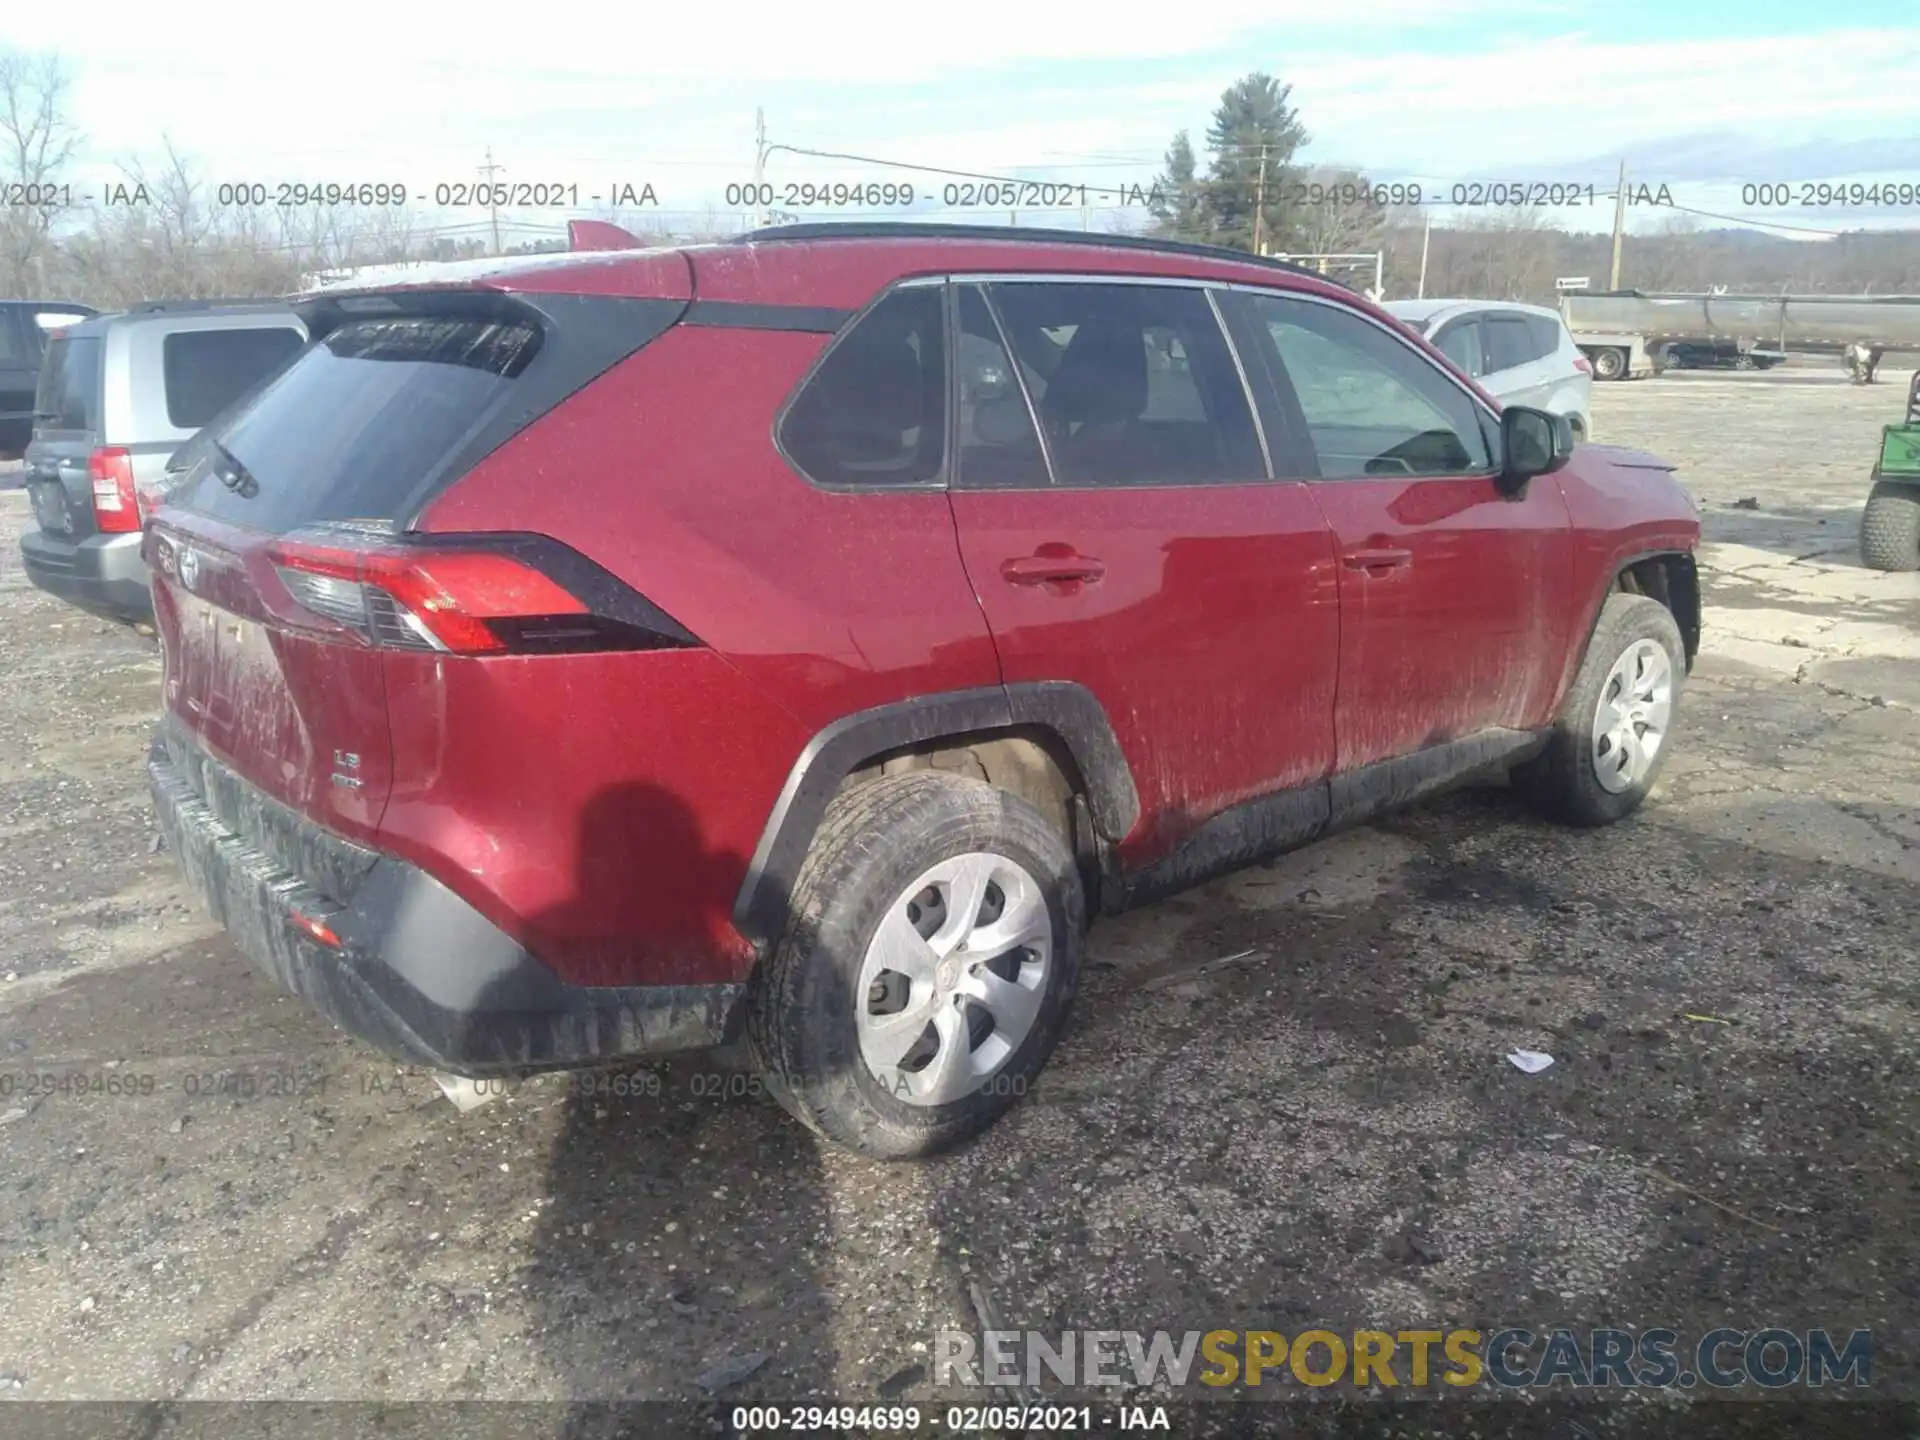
1062 277
1019 379
1246 383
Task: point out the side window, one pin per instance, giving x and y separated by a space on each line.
1132 384
17 346
1546 335
874 413
1460 343
69 380
999 446
1509 342
204 371
1372 404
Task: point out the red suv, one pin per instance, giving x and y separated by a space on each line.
589 656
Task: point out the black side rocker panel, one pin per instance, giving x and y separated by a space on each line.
1254 830
1068 710
1268 825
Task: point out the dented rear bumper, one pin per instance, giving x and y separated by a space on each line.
416 971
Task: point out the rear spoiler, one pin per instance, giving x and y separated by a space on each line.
600 235
430 287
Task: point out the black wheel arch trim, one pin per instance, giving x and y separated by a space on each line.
1686 607
1067 710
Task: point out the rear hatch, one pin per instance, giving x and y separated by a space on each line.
284 560
67 408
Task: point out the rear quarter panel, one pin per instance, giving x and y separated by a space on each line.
629 792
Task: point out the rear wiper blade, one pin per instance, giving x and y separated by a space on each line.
233 474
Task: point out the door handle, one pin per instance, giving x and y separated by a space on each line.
1046 569
1377 559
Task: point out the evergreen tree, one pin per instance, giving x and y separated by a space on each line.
1253 128
1179 194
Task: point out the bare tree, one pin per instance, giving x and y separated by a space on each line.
37 143
1340 217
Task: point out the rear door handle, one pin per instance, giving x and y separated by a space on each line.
1377 559
1051 569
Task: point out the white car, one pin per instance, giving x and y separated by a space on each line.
1520 354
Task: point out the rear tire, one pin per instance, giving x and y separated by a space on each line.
924 893
1609 363
1615 728
1890 527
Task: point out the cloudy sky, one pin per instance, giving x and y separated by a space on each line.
1704 96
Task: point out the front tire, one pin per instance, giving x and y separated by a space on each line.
1890 527
1615 727
927 968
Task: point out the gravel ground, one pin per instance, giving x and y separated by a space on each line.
1321 1132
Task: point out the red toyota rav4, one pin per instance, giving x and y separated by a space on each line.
602 655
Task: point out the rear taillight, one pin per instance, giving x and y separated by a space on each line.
1583 365
116 509
462 602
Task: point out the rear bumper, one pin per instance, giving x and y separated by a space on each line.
418 972
103 574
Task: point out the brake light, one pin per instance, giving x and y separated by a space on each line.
116 509
464 602
1583 365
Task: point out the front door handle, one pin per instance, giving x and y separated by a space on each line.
1052 569
1377 559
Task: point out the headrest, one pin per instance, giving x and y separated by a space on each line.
1103 375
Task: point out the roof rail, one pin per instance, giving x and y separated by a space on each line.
241 302
913 230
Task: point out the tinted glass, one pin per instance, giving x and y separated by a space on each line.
1509 342
18 345
1372 404
352 427
874 413
1460 343
204 371
999 446
1134 384
1545 334
68 378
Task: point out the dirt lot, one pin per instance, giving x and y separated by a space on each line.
1323 1131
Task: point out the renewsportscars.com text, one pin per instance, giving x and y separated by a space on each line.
1513 1358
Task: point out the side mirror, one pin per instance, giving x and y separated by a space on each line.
1533 442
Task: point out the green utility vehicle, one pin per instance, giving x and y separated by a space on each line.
1890 525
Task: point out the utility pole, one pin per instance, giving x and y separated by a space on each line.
1260 202
1619 224
493 208
759 163
1426 238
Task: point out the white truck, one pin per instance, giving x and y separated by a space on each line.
1627 333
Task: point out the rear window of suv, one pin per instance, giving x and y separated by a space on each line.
204 371
352 427
69 376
